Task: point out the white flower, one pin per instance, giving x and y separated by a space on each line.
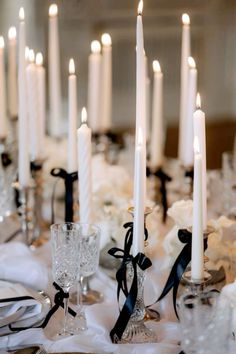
181 212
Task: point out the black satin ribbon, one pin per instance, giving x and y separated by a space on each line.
58 302
190 174
68 178
6 159
164 178
179 266
140 260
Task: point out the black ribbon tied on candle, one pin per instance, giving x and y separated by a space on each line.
179 266
164 178
140 260
58 302
69 179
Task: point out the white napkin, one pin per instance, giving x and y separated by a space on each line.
13 311
19 264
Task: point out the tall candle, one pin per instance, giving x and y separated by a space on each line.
197 260
23 139
106 82
84 162
200 131
94 86
32 94
140 143
187 156
147 99
41 107
12 74
54 73
3 112
139 196
72 144
184 83
157 141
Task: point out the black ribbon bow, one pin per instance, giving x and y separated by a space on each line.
69 178
139 260
164 178
179 266
58 302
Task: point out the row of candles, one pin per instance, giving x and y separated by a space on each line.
34 76
192 123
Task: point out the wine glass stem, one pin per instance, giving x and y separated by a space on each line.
65 314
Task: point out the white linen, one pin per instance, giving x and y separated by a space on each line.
19 264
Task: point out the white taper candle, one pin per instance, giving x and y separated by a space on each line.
72 144
94 86
157 132
23 139
197 259
3 111
185 53
41 102
54 73
199 127
12 74
84 163
106 82
187 153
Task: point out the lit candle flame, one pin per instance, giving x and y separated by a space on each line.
106 39
95 47
12 33
71 67
140 7
53 10
186 19
31 56
140 137
2 44
156 66
84 115
191 63
198 101
39 59
22 14
196 145
27 53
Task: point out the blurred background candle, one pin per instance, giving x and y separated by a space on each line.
94 87
84 162
200 131
54 74
41 101
12 74
186 52
106 83
3 112
187 156
147 99
72 144
32 95
23 139
197 260
157 132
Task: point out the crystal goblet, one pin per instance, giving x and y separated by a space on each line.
65 261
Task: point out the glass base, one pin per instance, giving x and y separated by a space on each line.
64 334
91 297
136 333
151 315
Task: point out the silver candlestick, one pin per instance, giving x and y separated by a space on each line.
40 225
25 211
